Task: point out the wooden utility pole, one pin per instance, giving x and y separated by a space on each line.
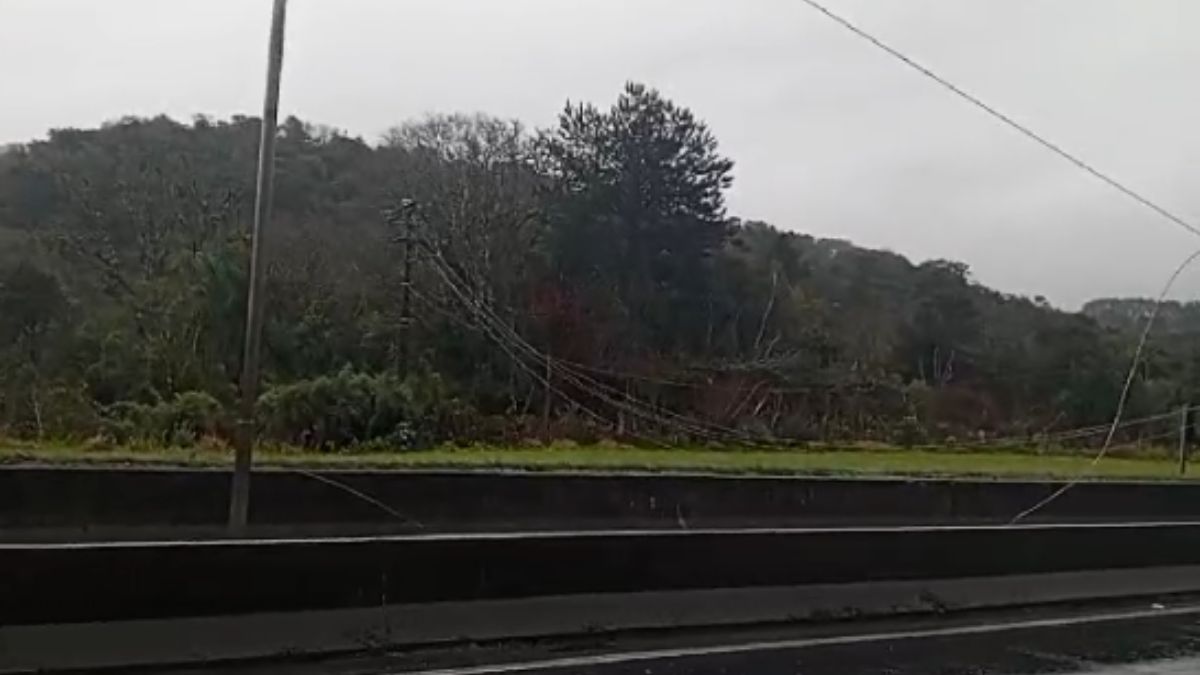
406 318
404 215
239 496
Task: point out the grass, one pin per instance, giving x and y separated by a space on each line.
872 460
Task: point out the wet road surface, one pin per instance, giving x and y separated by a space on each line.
1149 638
1179 667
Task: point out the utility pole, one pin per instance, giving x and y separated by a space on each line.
405 215
406 318
239 499
1184 437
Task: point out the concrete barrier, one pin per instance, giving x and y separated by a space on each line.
74 503
118 604
108 581
425 630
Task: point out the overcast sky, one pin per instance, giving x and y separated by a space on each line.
830 136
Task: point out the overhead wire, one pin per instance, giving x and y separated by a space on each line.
509 340
1064 435
1007 120
490 331
505 334
613 396
487 320
1079 163
606 393
1121 400
506 347
501 332
355 492
1169 433
1088 431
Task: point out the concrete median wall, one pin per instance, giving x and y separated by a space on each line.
86 606
300 636
98 503
109 581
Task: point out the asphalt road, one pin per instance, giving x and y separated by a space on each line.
1179 667
1143 638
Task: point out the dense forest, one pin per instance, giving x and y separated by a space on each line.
468 279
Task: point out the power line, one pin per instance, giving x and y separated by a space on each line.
509 340
1079 163
497 337
1026 131
503 333
1076 434
356 493
572 373
1121 400
494 327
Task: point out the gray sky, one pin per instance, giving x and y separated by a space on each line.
830 136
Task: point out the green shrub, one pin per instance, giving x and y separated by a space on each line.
909 432
68 411
191 416
349 408
126 421
188 417
29 408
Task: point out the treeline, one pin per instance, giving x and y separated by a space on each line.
469 279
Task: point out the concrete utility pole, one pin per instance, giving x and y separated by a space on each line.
1184 437
239 499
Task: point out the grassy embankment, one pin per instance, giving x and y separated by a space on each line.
851 460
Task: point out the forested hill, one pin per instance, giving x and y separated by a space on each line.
1131 314
579 281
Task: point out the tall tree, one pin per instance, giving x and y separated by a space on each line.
637 210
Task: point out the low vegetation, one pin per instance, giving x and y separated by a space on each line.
1143 463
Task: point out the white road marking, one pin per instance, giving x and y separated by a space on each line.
594 534
722 650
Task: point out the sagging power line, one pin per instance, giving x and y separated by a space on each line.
530 359
1079 163
1005 119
